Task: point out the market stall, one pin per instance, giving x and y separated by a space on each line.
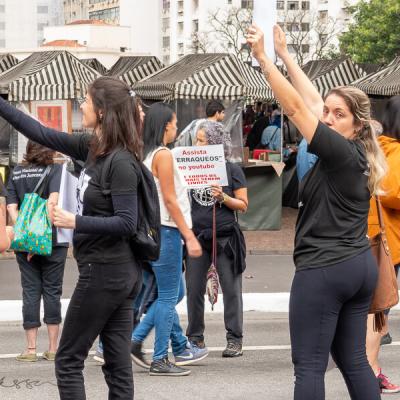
132 69
188 85
327 74
47 84
381 85
95 64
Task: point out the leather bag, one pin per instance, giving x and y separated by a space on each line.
386 294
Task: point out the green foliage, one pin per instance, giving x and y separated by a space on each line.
374 37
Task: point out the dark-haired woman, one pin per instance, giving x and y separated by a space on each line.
176 223
41 276
109 276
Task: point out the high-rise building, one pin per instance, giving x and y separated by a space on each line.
75 10
170 29
108 10
22 21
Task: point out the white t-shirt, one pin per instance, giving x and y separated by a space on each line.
181 191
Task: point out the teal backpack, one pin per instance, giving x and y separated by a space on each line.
33 230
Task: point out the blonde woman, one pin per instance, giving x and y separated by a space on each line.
335 271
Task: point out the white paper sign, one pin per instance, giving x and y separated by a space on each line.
202 166
265 17
67 201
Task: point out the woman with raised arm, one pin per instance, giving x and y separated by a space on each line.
109 276
335 271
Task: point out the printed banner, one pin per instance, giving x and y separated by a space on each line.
202 166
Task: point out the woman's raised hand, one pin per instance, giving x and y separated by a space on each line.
255 39
280 42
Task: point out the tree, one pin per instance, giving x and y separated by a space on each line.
200 42
374 36
310 36
229 28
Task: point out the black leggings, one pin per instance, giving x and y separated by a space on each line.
328 313
101 304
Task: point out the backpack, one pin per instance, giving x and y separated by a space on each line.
146 241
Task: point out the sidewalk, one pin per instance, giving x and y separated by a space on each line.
274 242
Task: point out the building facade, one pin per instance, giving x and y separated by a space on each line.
75 10
22 21
170 29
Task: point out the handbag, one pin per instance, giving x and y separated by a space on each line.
33 230
212 285
386 294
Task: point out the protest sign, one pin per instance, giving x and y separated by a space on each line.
202 166
265 17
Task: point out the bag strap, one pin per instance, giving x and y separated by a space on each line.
104 184
272 137
382 225
42 182
380 215
214 237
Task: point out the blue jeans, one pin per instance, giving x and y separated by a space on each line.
162 313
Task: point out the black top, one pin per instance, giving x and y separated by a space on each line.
104 223
24 179
202 202
333 202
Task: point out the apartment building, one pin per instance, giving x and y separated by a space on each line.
167 28
75 10
22 21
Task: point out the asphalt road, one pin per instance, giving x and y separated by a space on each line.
264 372
264 274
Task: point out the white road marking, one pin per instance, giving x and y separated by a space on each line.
11 310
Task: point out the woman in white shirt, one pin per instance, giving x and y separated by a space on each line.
160 127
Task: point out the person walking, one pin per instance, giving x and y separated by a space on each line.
109 275
336 272
390 202
41 276
231 247
160 128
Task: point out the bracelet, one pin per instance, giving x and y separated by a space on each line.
225 198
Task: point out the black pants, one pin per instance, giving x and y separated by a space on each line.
42 276
101 304
231 285
328 313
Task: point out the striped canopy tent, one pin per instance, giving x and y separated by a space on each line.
385 82
327 74
95 64
47 75
7 61
205 76
133 69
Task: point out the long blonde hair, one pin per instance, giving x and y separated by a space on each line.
360 106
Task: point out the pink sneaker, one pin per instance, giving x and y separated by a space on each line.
385 385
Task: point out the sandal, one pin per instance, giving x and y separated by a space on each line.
28 357
49 356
